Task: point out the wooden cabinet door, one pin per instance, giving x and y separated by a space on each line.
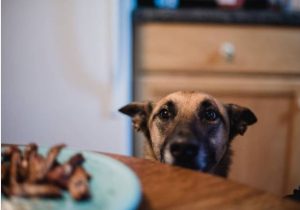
260 156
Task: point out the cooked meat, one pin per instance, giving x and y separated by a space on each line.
34 190
4 173
36 167
51 156
13 169
62 173
76 159
30 174
78 184
30 148
24 165
23 169
8 151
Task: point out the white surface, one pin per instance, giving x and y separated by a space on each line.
59 82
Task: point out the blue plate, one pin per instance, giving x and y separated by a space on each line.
113 187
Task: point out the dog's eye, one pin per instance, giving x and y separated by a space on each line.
210 115
165 114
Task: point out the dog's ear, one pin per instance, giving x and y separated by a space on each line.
139 112
240 118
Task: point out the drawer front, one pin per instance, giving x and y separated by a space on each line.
218 48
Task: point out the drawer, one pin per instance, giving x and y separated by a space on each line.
186 47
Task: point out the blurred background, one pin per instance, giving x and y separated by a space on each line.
67 66
65 72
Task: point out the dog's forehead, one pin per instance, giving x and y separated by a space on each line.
189 101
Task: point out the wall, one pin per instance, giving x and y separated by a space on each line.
61 79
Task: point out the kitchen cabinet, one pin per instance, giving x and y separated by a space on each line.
256 66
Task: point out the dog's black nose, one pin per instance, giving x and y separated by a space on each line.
184 150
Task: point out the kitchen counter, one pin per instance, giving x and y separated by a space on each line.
259 17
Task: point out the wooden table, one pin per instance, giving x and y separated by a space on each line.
169 187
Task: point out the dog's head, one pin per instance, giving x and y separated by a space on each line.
189 129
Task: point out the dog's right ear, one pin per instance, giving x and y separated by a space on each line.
139 112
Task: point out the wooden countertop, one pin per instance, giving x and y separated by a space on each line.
218 16
169 187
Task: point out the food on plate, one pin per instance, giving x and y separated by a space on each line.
29 174
78 185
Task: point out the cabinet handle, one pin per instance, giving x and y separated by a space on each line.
227 50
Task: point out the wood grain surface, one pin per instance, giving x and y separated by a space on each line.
198 47
169 187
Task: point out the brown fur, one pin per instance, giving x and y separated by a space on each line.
190 129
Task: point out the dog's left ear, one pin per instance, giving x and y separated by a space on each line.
139 112
240 118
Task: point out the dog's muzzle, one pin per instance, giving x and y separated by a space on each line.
184 149
184 154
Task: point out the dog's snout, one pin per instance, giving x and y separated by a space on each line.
184 150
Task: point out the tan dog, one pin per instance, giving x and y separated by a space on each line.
190 129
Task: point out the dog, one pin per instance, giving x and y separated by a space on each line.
190 129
